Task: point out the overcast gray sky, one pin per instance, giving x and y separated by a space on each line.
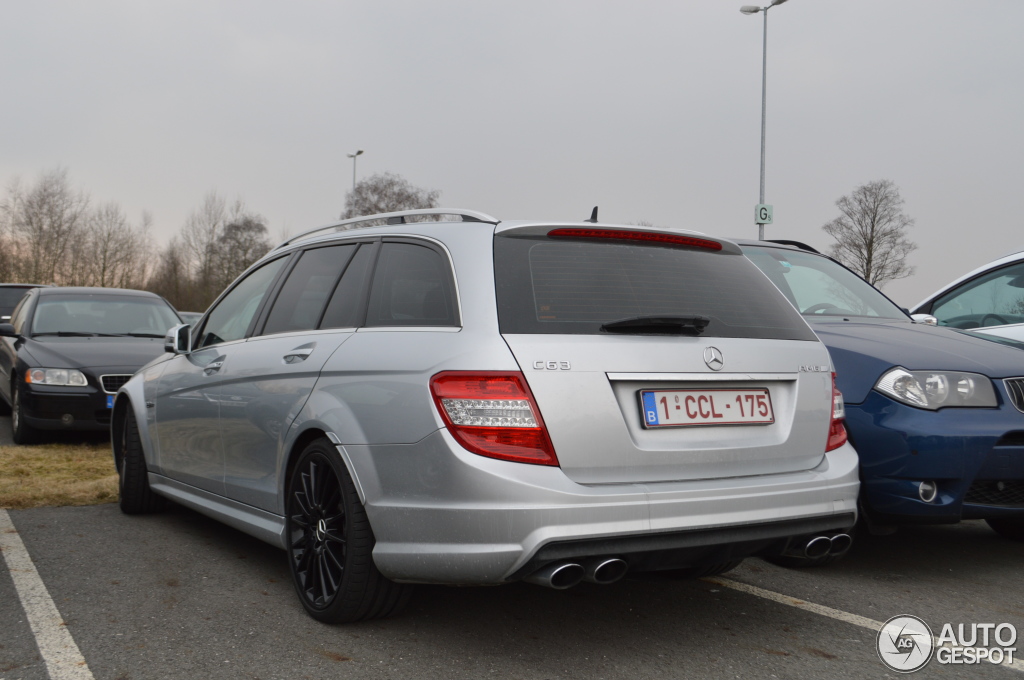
525 109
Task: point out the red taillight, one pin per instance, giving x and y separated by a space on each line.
836 429
626 235
493 414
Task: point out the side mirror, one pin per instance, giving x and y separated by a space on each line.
7 331
926 319
178 340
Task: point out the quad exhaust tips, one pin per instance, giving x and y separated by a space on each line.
562 575
816 547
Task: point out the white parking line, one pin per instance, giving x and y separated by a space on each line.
822 610
63 659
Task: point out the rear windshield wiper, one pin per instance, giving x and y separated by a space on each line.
74 334
671 325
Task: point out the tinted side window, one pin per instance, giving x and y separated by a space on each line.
346 306
412 286
304 294
231 317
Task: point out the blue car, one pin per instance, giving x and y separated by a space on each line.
936 414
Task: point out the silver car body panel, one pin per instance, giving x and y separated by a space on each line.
442 514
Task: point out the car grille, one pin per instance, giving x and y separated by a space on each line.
1015 388
1003 493
112 383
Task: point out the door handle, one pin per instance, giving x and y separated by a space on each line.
299 354
213 367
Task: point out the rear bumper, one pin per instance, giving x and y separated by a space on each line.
443 515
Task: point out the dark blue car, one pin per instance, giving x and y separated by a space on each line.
936 414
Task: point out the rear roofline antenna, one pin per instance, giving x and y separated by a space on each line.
593 216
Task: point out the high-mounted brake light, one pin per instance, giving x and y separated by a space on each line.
626 235
836 430
493 414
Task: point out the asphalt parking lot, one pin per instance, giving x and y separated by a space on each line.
177 595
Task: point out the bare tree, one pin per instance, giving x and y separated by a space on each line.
44 221
217 244
387 192
113 252
870 233
242 241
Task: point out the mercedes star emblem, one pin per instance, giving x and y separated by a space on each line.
713 358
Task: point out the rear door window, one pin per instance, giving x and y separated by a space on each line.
412 286
560 286
304 295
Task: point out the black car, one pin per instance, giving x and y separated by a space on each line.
67 351
11 294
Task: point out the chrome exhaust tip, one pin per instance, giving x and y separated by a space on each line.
840 543
560 575
605 570
818 546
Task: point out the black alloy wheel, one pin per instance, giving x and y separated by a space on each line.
135 497
330 543
21 432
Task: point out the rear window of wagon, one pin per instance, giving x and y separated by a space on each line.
560 286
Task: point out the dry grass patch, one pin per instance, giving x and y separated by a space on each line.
57 474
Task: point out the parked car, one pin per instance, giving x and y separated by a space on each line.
989 299
472 401
68 350
10 296
936 414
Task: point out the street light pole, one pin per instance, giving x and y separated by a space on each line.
752 9
353 156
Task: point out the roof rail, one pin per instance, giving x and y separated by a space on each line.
391 218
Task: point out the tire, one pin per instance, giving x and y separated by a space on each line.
135 495
21 432
330 543
1008 527
802 562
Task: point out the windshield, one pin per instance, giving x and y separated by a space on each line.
103 315
817 286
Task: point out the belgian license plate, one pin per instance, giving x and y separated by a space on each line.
110 400
682 408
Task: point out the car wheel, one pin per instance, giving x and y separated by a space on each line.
136 496
22 432
1008 527
330 543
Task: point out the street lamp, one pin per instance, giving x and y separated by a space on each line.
763 212
360 153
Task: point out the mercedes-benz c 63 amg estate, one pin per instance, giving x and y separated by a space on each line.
442 397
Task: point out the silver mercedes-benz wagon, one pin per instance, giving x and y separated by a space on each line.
437 396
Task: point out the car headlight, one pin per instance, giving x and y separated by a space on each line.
938 389
56 376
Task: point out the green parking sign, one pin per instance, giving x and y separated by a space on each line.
762 214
